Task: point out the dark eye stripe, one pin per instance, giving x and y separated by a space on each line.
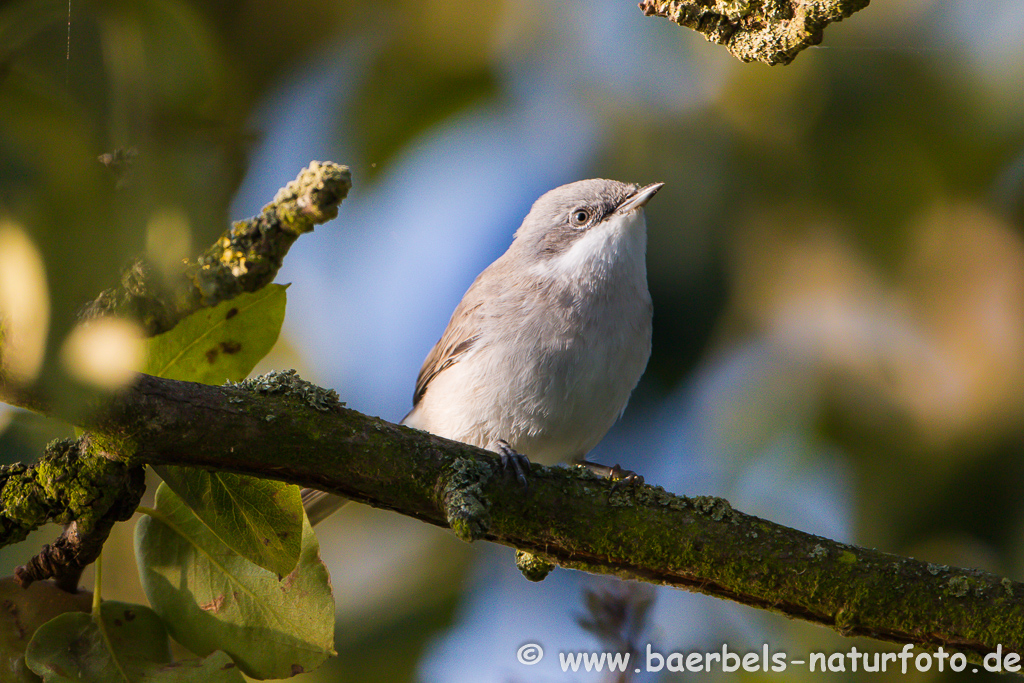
576 222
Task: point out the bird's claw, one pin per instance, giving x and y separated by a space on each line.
620 476
518 461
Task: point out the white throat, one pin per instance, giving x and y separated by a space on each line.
614 250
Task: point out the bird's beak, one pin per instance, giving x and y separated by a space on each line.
638 200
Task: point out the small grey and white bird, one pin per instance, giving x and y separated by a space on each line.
542 353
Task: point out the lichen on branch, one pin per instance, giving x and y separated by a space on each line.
244 259
75 484
768 31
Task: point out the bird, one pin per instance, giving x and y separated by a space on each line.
542 353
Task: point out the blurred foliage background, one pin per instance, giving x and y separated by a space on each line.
836 261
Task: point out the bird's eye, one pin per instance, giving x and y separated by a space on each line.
580 217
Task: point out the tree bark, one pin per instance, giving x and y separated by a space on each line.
288 431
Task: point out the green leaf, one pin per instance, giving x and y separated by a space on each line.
211 598
259 519
25 610
220 343
130 645
217 668
118 647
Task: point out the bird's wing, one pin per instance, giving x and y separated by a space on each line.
488 294
458 338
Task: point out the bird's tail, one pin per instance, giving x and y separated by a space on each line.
320 505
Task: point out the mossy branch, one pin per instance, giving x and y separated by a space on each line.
768 31
266 427
244 259
74 484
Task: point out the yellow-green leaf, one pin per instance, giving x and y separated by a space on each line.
210 598
260 519
224 342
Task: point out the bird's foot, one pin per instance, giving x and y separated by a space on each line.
617 474
519 462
